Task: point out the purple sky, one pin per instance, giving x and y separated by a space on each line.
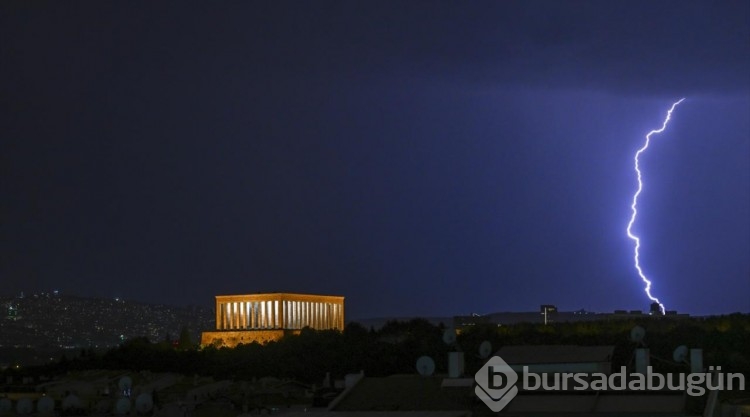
419 158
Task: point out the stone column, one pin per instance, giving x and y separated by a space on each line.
253 321
297 315
279 314
262 311
244 315
269 314
276 314
218 315
264 308
282 310
229 315
250 312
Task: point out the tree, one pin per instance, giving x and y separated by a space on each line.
185 342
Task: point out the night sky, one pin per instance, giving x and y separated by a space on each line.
418 157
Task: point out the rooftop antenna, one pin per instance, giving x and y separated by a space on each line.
642 355
45 406
449 337
122 406
455 356
637 334
680 354
125 384
5 405
71 402
485 349
144 403
425 366
25 406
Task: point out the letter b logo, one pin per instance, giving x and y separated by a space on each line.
496 383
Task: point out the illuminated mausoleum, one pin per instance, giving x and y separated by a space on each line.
265 317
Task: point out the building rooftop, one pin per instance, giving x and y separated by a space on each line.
415 395
536 354
406 393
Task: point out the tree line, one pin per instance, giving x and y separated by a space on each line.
394 348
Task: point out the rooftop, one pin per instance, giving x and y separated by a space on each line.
535 354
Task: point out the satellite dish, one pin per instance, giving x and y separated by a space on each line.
485 349
71 402
425 366
45 405
122 406
449 336
637 334
103 406
144 403
24 406
5 405
680 354
125 383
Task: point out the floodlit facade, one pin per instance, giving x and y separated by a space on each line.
265 317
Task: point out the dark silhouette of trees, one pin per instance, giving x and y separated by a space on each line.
395 348
185 342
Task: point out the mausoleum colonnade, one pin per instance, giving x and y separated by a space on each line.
279 311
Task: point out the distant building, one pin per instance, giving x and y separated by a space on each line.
655 309
558 358
266 317
461 323
12 311
549 312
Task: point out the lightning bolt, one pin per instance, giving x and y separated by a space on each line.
634 206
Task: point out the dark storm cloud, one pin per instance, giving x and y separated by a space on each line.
635 47
170 152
